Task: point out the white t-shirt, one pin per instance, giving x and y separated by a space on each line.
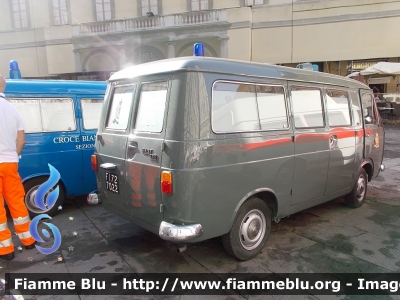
10 123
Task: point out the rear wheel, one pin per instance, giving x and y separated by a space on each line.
249 231
31 187
357 196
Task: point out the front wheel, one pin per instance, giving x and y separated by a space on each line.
250 230
357 196
31 186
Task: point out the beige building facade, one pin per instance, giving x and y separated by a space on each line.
88 39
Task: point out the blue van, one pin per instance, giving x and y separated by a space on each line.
61 119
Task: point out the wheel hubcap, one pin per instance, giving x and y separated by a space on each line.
360 188
30 201
252 229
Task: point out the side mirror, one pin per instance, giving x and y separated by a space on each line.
368 120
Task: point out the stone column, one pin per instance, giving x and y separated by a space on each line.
78 63
122 57
224 46
171 49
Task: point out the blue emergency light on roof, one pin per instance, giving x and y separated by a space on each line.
14 70
198 49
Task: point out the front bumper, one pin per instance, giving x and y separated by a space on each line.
179 233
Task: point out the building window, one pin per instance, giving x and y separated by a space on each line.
254 2
60 12
103 10
20 13
149 6
199 5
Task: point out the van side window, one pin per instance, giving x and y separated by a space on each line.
91 110
234 107
120 107
46 115
307 105
338 108
368 107
271 107
150 115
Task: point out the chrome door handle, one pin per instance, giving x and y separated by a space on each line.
367 134
133 148
108 166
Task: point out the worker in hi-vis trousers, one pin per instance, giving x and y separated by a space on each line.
12 140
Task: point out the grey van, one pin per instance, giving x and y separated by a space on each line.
195 148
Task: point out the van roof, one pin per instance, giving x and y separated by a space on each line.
229 66
33 86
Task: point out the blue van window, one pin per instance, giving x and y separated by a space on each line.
150 116
120 107
46 115
91 110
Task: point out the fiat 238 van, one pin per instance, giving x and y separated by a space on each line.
195 148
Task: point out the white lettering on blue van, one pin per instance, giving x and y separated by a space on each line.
66 139
86 138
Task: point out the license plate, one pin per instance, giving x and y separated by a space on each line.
112 182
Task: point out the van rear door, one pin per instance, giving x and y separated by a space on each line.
144 149
111 147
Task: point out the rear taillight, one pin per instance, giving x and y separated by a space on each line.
93 160
166 182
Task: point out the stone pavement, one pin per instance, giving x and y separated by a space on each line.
329 238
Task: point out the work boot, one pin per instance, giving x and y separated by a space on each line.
31 246
9 256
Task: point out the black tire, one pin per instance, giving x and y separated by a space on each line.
357 196
31 187
243 243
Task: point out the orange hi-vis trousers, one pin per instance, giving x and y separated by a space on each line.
12 190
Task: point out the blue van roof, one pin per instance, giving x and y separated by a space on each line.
33 86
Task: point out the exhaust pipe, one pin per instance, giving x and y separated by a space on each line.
181 248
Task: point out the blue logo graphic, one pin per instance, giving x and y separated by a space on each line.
51 198
35 234
45 187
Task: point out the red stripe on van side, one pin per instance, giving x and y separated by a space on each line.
275 142
360 133
312 137
252 146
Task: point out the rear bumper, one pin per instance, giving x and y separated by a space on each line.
179 233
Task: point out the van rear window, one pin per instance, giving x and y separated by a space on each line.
150 115
46 114
120 107
91 111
